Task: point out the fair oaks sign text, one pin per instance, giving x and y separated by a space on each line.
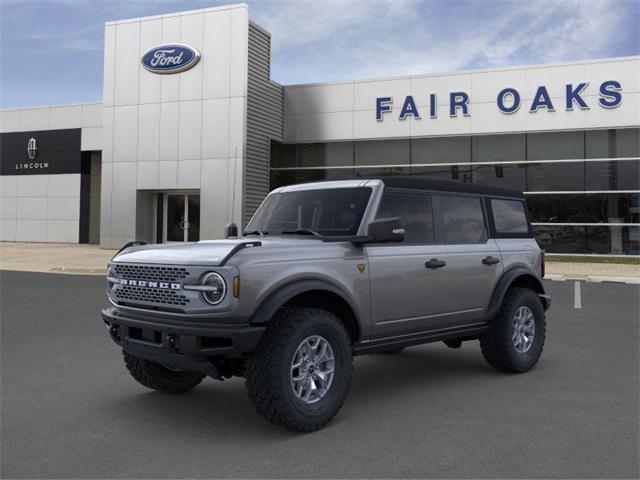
508 100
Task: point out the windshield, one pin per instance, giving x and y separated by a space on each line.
327 212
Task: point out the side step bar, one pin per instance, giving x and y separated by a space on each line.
465 332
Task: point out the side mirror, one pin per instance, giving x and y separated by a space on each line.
386 230
230 230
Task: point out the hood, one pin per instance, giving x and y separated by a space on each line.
207 252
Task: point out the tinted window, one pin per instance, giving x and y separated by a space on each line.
555 145
555 176
613 240
613 208
460 173
375 172
500 175
499 148
613 175
311 154
463 219
382 152
612 143
557 208
414 210
335 211
509 216
561 238
441 150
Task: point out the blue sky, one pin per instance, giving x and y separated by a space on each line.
51 51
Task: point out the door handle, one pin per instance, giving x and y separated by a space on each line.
435 263
490 260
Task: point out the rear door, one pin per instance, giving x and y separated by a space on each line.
409 279
474 260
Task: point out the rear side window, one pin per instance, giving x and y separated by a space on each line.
414 210
462 219
509 216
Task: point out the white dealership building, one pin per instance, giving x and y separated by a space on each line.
192 133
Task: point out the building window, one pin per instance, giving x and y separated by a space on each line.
440 150
613 240
567 176
500 175
557 208
555 145
612 175
613 143
283 155
561 238
458 173
546 162
382 152
499 148
380 172
311 154
613 208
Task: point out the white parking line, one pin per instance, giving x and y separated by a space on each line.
577 298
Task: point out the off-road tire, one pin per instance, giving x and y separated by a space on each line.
496 343
157 377
268 381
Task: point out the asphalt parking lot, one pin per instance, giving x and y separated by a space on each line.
70 410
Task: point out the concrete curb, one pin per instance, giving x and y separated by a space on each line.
592 278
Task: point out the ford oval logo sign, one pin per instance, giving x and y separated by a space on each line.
171 58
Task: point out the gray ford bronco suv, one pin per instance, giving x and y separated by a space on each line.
325 271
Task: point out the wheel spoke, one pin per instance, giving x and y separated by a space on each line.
312 369
523 329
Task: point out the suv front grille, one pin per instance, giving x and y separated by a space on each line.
151 272
133 294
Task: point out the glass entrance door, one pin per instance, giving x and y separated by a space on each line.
182 217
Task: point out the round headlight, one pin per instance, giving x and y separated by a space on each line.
215 288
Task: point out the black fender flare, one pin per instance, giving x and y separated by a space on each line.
507 279
283 294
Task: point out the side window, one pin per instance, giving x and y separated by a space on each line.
414 210
509 216
462 219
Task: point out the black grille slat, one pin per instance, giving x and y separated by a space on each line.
150 295
151 273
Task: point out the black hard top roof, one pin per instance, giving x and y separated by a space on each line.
419 183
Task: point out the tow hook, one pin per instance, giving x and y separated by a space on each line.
174 343
114 331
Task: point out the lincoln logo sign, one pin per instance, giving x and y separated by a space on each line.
32 149
508 101
172 58
32 154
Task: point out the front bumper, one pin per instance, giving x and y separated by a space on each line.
179 345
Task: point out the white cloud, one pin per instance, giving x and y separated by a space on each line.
314 41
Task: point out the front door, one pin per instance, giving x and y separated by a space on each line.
409 279
182 217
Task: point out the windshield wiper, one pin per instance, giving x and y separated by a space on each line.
255 232
301 231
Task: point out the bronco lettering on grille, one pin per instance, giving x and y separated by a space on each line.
149 284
